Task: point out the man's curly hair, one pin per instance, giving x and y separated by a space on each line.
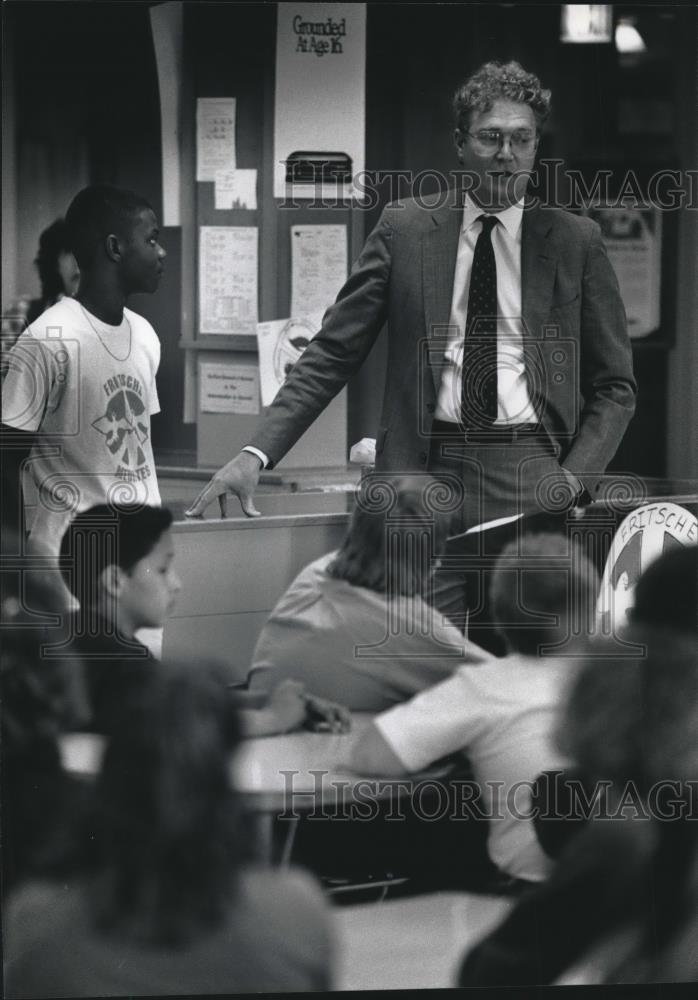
496 81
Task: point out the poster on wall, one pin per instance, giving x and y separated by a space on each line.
280 344
319 116
215 136
228 279
225 388
318 267
633 240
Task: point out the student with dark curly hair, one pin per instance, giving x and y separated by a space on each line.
59 275
169 904
58 269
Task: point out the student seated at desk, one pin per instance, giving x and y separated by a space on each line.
118 561
619 898
167 904
501 715
630 727
358 625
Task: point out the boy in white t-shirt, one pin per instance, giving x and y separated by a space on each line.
502 714
80 385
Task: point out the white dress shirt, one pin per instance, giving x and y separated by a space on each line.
513 403
513 399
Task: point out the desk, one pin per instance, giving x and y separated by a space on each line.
287 775
260 766
298 773
281 776
268 769
413 943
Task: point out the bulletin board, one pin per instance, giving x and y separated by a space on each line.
240 237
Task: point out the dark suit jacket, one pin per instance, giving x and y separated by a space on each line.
578 356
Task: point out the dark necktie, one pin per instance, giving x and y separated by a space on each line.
479 400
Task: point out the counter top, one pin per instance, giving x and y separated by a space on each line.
240 522
302 478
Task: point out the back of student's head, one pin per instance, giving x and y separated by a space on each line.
543 591
630 725
634 717
97 212
108 535
41 698
167 831
397 531
667 592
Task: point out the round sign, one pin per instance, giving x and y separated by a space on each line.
641 538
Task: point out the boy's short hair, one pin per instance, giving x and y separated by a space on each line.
532 604
108 535
97 211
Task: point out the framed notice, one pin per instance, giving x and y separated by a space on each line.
225 388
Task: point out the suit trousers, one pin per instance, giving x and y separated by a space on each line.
502 474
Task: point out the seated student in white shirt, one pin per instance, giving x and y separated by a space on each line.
502 714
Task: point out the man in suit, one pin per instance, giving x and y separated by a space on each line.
509 366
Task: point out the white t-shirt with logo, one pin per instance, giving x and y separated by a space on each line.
89 389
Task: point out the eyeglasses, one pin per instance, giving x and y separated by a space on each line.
491 139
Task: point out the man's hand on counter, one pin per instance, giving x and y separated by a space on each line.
239 476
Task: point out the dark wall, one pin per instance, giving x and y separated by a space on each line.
86 73
418 54
87 92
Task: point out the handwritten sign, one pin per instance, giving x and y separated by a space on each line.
215 136
318 267
228 279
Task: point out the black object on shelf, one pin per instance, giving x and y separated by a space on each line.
304 167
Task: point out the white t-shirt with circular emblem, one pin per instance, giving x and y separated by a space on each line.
89 389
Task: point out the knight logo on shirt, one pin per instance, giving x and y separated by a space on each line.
125 428
642 537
